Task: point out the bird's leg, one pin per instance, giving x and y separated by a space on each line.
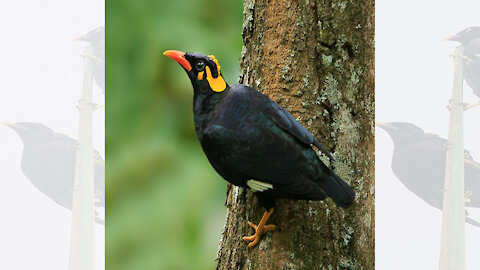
471 106
260 229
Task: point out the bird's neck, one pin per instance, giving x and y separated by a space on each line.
30 142
203 107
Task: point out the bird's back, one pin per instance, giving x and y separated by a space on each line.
420 166
50 167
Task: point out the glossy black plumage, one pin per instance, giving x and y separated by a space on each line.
48 161
419 161
96 38
246 136
470 39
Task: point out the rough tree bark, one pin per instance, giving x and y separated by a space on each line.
315 58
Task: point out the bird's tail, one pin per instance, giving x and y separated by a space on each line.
338 190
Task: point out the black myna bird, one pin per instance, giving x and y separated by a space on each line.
419 161
470 39
48 161
96 38
253 142
466 35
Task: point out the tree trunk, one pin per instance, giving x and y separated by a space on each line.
316 59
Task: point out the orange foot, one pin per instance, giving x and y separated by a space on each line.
260 229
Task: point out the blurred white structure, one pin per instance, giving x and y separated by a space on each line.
414 78
42 78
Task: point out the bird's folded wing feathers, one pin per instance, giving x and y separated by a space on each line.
264 156
286 121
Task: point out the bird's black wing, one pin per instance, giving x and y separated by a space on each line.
251 137
472 75
259 151
434 149
286 121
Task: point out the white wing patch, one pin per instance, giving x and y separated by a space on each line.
256 186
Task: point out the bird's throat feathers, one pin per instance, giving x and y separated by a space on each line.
204 105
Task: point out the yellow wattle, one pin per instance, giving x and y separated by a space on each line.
200 76
217 84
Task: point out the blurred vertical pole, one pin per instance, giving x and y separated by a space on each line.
81 239
452 253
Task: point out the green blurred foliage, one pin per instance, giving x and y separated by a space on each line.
164 201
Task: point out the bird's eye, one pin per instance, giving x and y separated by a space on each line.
200 65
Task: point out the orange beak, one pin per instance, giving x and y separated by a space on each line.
449 37
179 57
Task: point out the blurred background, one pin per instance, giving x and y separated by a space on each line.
165 202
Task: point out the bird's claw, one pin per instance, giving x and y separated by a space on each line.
259 230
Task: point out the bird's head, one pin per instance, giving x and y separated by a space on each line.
203 71
31 131
94 36
402 132
466 35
